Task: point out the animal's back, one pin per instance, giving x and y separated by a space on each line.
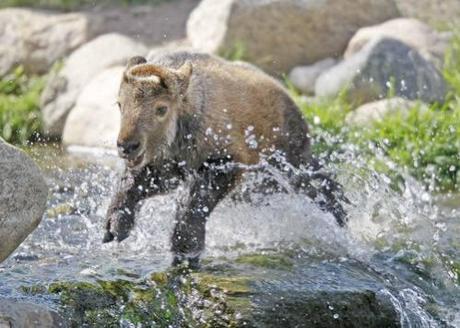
245 112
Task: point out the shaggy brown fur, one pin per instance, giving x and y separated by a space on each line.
188 115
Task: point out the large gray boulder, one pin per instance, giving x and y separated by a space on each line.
431 44
36 39
437 13
166 48
14 314
151 24
279 35
382 67
23 195
80 68
95 120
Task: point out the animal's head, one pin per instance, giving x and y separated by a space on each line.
150 100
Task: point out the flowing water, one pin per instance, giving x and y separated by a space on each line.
403 244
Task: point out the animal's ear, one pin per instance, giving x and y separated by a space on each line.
185 71
176 81
183 75
145 73
133 61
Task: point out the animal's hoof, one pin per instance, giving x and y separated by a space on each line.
108 237
183 262
122 236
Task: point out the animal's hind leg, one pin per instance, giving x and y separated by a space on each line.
188 239
326 195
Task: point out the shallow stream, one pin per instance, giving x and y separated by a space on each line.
403 245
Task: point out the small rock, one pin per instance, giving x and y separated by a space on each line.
84 126
279 35
383 66
436 13
24 257
429 43
23 195
15 314
80 68
370 113
304 77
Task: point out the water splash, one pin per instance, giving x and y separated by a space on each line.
401 236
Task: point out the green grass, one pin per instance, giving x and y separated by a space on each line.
19 106
236 53
268 261
427 143
452 68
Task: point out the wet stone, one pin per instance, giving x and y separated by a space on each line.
16 314
359 308
235 295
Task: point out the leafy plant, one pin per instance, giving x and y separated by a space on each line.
326 119
19 106
426 142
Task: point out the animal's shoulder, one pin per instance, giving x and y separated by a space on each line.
178 58
204 62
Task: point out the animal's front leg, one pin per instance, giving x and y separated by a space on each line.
134 187
330 191
120 215
208 188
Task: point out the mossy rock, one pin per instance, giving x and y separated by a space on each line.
235 286
165 299
268 261
217 297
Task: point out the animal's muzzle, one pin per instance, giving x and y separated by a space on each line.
128 148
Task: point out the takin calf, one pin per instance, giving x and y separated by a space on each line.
197 117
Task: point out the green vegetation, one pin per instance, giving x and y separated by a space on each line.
237 52
165 299
73 4
425 143
268 261
19 106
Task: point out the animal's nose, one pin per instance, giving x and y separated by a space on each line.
128 147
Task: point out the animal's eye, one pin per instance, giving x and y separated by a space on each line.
161 111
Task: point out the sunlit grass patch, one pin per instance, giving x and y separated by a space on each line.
427 143
20 116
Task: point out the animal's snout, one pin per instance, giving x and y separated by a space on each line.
128 148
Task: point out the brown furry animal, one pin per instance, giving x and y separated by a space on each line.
193 115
